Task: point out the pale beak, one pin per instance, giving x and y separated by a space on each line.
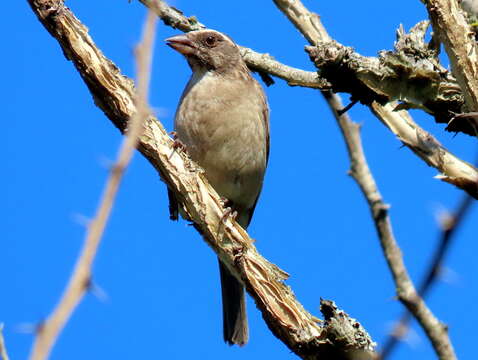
182 44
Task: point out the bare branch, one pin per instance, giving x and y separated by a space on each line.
3 348
113 93
449 225
307 22
452 169
80 280
406 292
256 61
411 74
449 23
343 334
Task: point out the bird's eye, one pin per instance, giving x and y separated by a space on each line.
210 41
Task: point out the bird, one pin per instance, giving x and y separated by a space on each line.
223 122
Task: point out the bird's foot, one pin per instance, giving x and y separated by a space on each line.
177 144
227 205
225 202
228 212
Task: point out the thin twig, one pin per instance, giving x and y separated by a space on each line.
80 280
3 348
310 26
450 224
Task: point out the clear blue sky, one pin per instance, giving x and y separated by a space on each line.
161 279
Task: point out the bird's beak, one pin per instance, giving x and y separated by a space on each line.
182 44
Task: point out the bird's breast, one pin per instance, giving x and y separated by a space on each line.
221 122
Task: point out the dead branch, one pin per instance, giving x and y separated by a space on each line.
450 224
3 348
410 74
80 280
452 169
450 24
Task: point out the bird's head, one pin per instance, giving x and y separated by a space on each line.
207 50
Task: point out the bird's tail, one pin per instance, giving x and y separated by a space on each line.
235 328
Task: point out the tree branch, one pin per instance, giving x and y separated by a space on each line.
255 61
449 226
411 74
113 93
449 23
406 292
80 280
452 169
3 348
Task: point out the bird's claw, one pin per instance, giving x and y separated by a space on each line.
228 212
225 202
177 144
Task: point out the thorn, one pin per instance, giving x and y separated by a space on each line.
81 219
98 292
26 328
39 327
105 162
266 78
347 108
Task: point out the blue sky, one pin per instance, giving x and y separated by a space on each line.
160 279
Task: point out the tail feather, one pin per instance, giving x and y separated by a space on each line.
235 328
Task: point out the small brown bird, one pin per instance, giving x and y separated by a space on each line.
223 121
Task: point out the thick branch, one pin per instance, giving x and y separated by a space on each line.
113 93
411 74
3 348
449 23
307 22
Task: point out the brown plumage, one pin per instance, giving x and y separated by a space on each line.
223 120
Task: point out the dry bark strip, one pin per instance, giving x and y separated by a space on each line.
114 94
